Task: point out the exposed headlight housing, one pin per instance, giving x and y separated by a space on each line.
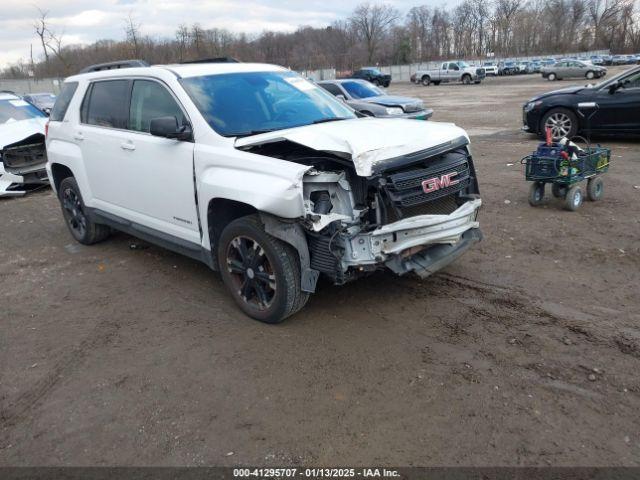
531 105
394 111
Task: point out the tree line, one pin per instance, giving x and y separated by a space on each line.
374 34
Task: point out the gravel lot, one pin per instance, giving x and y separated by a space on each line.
524 352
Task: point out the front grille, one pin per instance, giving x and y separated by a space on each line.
405 187
481 72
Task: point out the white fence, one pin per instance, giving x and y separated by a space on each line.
29 85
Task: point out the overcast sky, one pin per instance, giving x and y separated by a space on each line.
84 21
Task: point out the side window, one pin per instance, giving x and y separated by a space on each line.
149 100
105 104
332 88
632 81
453 66
63 100
444 66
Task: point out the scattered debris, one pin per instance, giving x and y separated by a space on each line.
567 341
507 202
229 454
592 377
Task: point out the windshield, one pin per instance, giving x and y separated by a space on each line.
238 104
18 109
463 64
362 89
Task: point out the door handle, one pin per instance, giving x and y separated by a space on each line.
78 136
127 146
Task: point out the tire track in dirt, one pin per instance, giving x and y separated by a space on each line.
102 334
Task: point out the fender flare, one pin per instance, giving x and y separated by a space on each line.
293 234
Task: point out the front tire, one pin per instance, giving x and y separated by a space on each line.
573 199
261 272
466 79
74 211
590 75
563 123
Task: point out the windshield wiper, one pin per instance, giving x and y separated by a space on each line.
254 132
325 120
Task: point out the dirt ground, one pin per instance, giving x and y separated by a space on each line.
524 352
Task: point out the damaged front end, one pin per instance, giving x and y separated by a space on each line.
413 213
23 166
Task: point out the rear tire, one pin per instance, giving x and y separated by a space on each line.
595 189
558 191
536 194
426 80
261 272
376 82
552 77
573 199
436 82
74 211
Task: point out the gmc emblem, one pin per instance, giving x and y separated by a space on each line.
436 183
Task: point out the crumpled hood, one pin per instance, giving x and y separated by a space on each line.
367 141
391 100
13 132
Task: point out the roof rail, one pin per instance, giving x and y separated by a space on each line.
114 65
213 60
8 91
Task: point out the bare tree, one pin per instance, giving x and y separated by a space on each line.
40 26
373 22
132 34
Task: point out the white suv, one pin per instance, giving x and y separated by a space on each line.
261 175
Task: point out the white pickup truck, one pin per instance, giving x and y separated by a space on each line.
450 71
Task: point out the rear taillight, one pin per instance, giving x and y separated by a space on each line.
46 130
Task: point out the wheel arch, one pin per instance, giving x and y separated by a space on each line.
58 173
220 213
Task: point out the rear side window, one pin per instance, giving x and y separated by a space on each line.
151 100
332 88
59 109
106 105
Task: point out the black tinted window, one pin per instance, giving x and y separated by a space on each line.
151 100
106 105
332 88
62 101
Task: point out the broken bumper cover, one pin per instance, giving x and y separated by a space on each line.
422 244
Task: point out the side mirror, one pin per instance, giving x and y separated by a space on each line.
614 87
168 127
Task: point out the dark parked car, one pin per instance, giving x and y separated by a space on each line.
373 75
609 107
372 101
508 68
42 101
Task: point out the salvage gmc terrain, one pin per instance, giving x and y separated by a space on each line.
261 175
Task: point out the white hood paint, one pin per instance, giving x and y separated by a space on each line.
12 132
369 141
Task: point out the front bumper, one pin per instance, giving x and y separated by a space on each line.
406 244
425 114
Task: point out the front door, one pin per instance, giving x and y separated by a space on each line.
619 112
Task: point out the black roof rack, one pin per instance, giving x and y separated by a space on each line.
8 91
114 65
214 60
